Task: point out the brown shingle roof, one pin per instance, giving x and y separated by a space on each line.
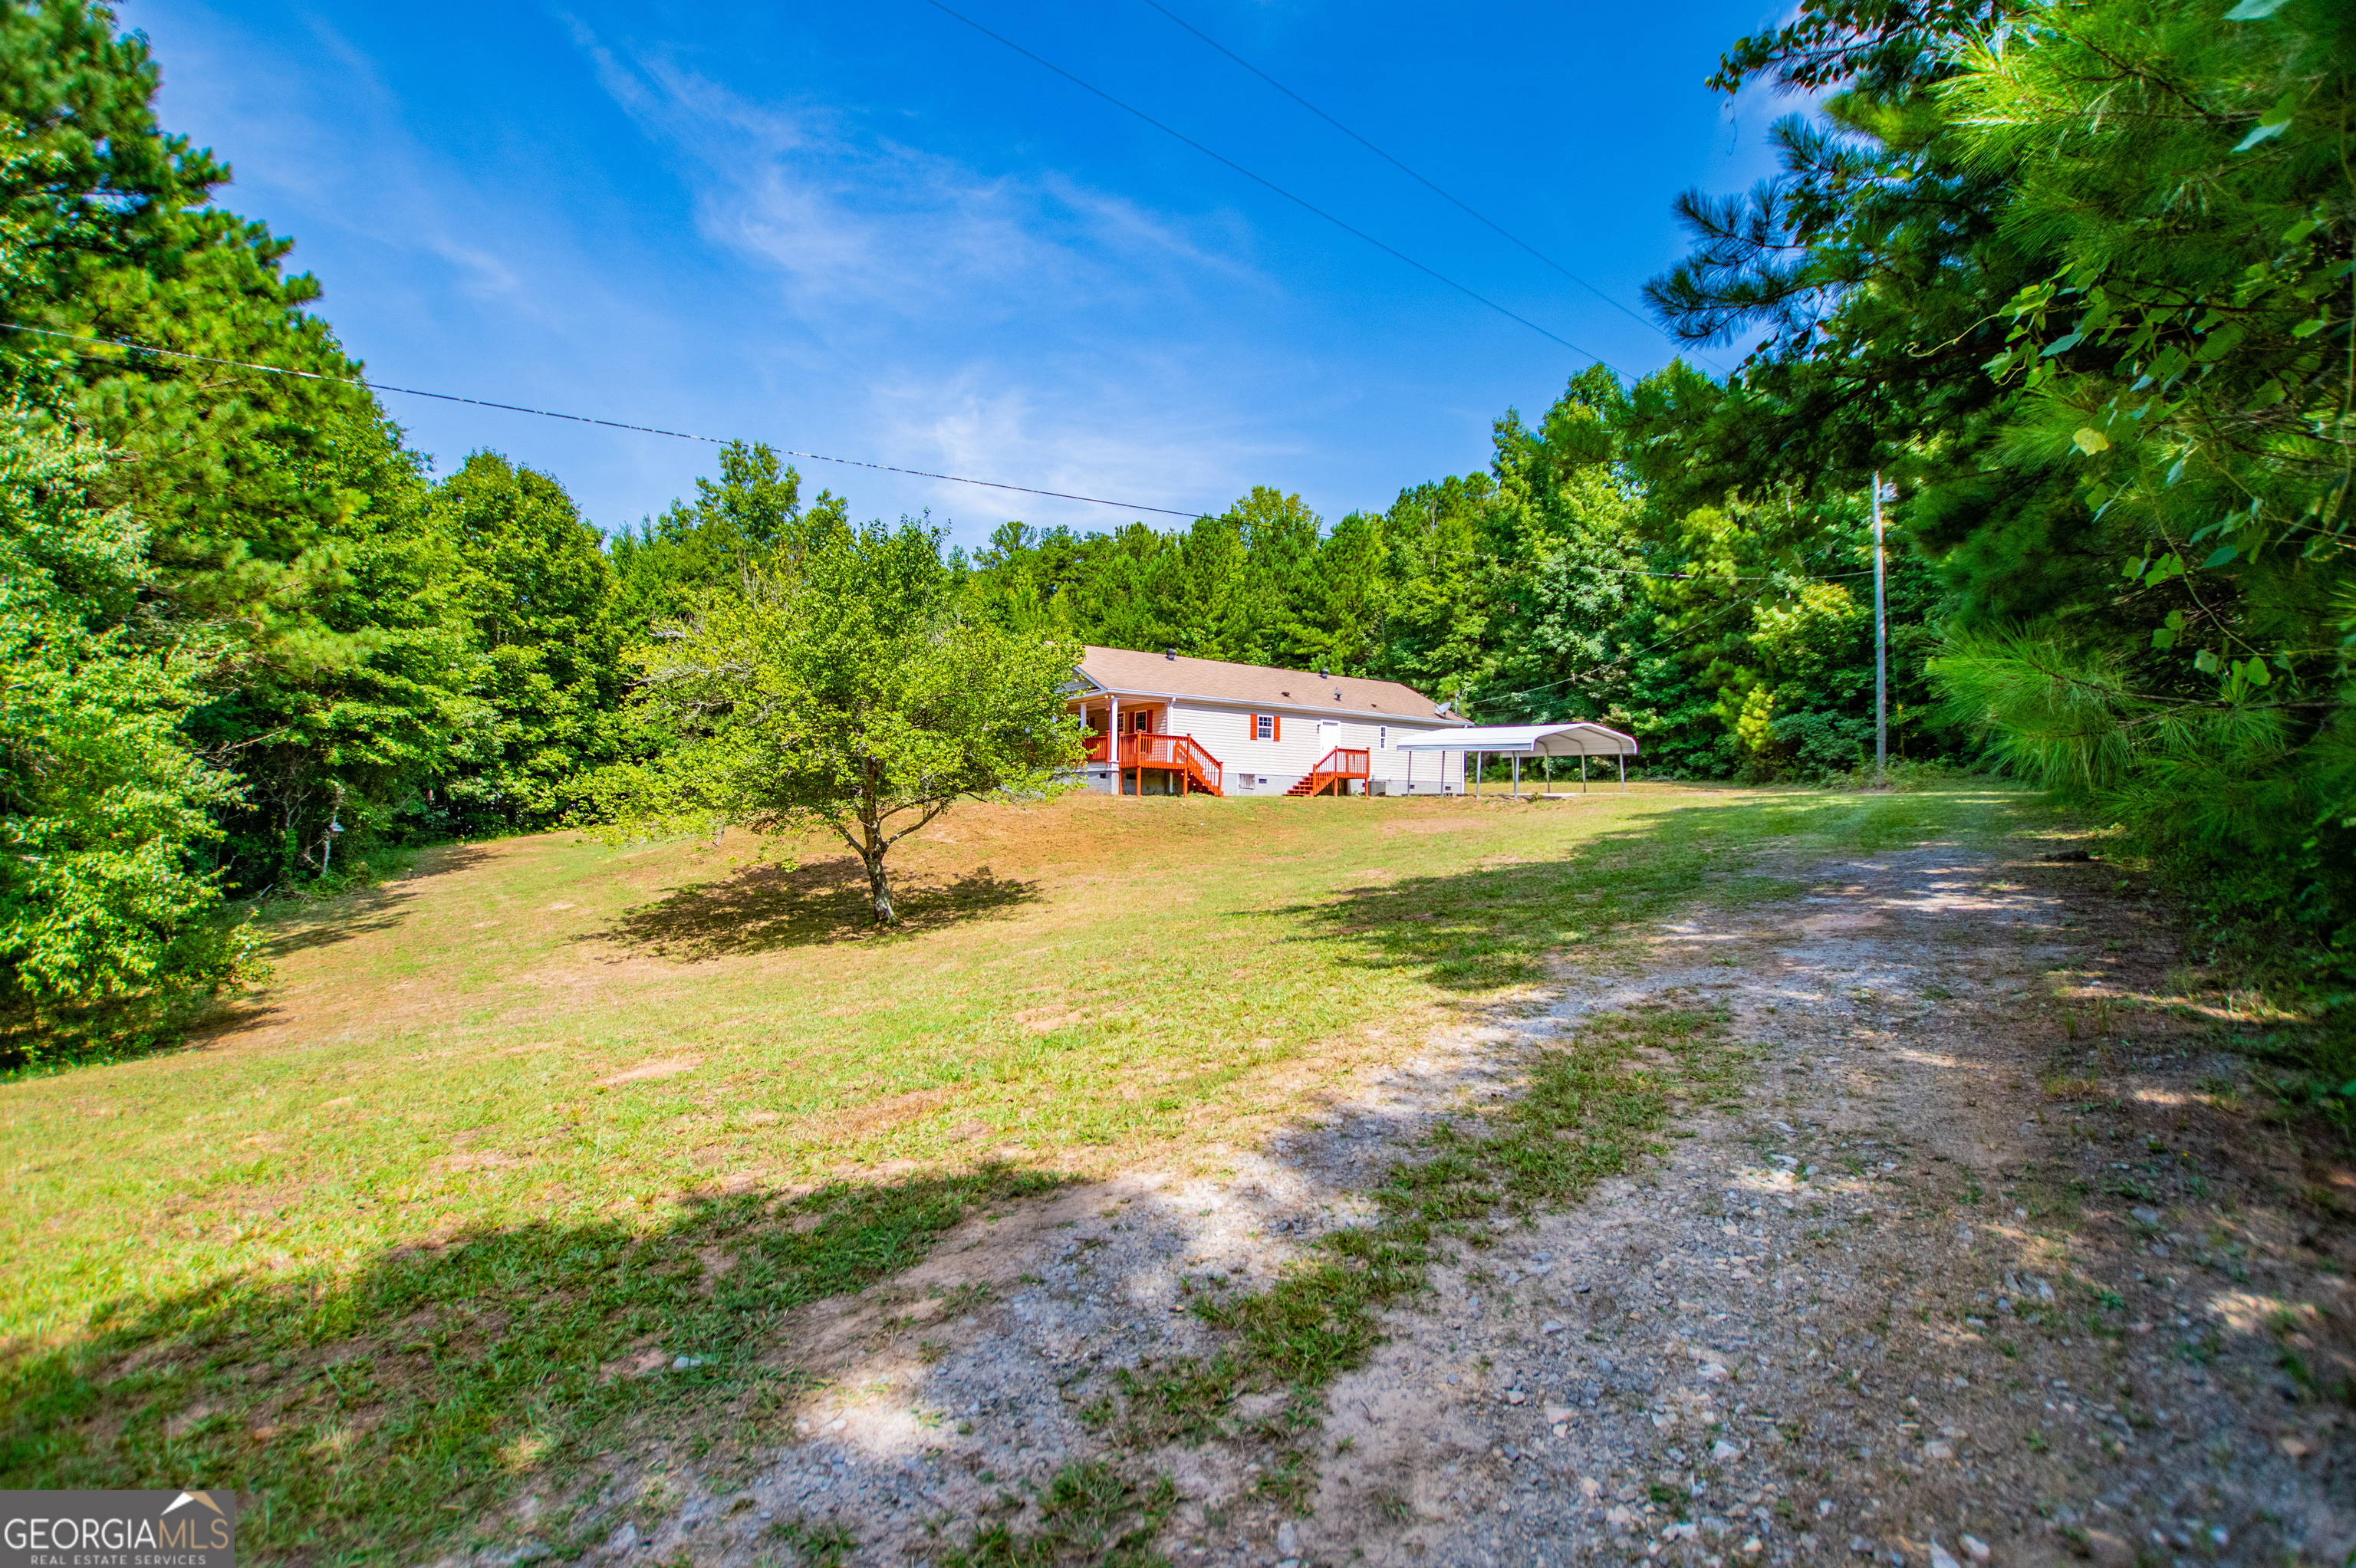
1126 670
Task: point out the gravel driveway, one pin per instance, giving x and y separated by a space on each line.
1983 1260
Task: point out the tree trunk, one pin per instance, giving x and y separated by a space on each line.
879 880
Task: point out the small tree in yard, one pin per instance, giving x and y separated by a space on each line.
852 688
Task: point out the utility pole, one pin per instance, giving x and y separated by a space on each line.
1880 650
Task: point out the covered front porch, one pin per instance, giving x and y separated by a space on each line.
1131 743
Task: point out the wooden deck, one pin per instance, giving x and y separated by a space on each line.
1198 770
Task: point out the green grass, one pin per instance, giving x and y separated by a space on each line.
820 1545
1087 1514
387 1250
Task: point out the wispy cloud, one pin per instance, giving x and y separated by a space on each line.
1028 328
846 217
1116 440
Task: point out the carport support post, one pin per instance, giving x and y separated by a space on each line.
1623 772
1518 775
1582 773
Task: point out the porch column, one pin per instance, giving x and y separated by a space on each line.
1112 746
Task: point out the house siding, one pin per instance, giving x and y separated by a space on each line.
1226 732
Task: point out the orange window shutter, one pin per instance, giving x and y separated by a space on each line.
1276 723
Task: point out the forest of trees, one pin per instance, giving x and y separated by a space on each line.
2076 277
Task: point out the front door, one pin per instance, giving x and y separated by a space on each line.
1329 735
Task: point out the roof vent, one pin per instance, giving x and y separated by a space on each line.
1322 675
1171 654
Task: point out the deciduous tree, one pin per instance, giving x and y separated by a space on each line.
856 692
102 807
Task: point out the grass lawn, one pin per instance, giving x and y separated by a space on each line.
385 1249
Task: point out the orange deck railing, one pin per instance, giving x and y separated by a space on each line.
1335 769
1179 753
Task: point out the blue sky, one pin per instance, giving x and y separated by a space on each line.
870 231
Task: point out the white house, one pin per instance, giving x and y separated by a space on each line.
1163 724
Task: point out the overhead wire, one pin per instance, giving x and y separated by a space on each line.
1702 577
1460 205
1262 180
137 346
576 418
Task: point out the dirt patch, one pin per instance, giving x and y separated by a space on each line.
877 1114
667 1067
480 1160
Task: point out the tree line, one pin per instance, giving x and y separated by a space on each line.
2076 277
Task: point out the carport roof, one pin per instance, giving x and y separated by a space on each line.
1580 740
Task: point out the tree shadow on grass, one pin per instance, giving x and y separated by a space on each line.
108 1030
763 908
386 1412
298 924
116 1029
1507 925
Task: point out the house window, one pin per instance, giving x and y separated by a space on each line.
1267 727
1382 737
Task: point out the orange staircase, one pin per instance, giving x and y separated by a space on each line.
1333 772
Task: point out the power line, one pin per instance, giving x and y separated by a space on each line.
1269 184
576 418
1698 577
1453 201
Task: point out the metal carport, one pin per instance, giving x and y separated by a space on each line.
1518 740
